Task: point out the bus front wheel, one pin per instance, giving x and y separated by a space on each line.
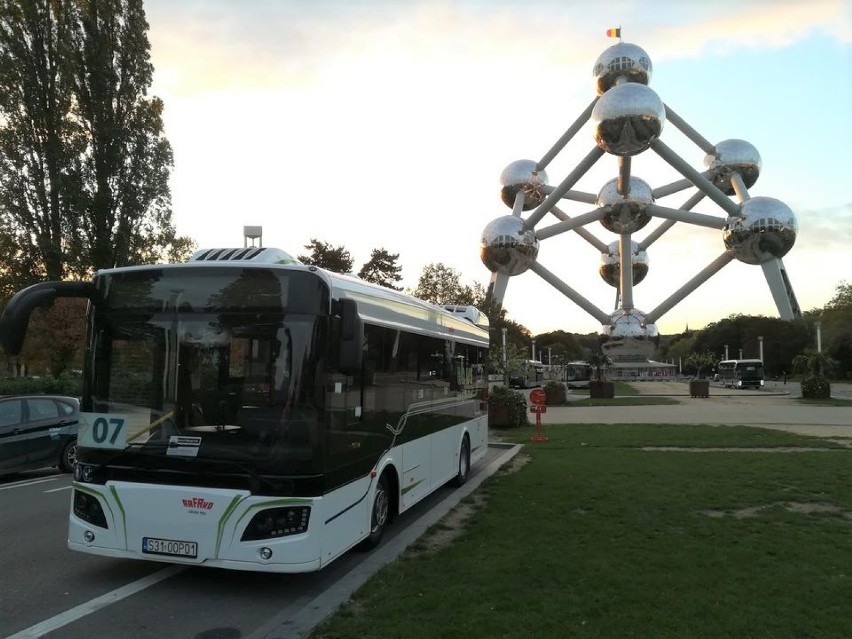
379 514
464 464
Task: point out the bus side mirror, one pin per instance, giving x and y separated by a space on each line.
351 337
16 315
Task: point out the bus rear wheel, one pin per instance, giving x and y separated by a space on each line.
464 464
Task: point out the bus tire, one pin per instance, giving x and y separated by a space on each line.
464 464
379 514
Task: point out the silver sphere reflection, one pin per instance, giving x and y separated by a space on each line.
733 156
610 268
766 229
627 337
625 213
521 175
621 60
627 118
506 247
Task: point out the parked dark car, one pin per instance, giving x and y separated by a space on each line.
37 431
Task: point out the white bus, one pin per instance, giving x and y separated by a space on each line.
245 411
740 373
577 374
527 374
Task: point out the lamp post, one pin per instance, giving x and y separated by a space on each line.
760 346
818 327
726 351
533 349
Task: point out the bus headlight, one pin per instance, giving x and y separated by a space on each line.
88 508
277 522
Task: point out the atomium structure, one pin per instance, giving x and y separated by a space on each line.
628 119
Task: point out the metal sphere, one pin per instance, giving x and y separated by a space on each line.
628 337
610 268
765 229
733 156
621 60
521 175
625 213
627 118
507 248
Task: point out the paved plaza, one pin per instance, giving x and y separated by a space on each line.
774 407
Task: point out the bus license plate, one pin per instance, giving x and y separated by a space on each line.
171 547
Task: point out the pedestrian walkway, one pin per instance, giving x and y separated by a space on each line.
773 408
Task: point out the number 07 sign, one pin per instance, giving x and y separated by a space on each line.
102 430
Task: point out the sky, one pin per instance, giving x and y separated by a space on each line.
387 124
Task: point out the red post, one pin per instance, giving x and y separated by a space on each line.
538 398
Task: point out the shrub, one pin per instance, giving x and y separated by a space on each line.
555 393
816 388
816 366
507 408
64 384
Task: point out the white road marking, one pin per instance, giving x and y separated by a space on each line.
69 616
27 482
56 490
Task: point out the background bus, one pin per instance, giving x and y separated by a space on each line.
740 373
577 374
244 411
527 374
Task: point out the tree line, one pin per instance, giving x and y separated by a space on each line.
740 336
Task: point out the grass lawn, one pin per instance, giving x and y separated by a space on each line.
596 537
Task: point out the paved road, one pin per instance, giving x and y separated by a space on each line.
49 591
773 407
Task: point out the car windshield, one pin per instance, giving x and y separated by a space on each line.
238 384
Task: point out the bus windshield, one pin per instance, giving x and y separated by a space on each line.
208 366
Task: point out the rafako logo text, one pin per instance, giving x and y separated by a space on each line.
198 503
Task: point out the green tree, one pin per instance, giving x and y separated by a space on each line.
701 362
599 363
382 269
84 163
442 285
332 258
561 346
836 319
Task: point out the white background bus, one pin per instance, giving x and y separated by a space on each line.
740 373
244 411
526 374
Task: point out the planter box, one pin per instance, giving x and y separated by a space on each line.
601 390
699 388
498 416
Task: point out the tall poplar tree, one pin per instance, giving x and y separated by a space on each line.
84 162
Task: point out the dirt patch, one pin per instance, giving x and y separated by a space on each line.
808 508
515 464
450 527
746 449
846 443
